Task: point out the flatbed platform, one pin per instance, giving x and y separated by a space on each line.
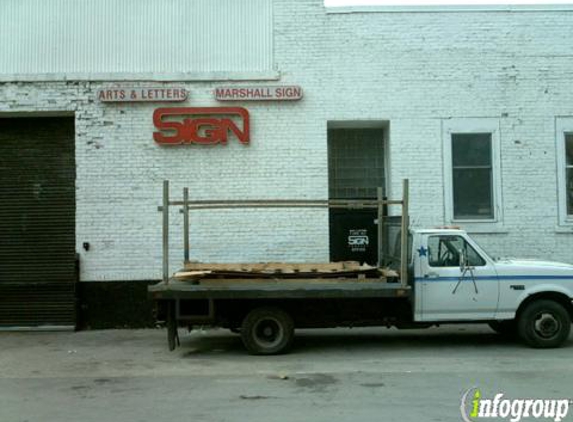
265 288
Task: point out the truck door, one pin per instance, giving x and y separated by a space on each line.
451 291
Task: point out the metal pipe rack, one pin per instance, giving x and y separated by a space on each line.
379 204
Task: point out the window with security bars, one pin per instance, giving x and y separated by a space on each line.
472 178
355 163
569 173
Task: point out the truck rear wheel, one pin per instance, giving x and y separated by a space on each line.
544 324
267 331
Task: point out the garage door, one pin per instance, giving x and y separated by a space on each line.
37 222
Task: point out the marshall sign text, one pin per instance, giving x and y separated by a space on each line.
200 125
259 93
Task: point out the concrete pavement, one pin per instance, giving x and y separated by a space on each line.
331 375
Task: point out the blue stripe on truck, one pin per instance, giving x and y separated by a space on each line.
503 277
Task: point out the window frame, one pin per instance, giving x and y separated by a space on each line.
469 126
563 127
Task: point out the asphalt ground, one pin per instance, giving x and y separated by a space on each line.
330 375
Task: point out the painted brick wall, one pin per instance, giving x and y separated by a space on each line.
120 172
410 69
417 69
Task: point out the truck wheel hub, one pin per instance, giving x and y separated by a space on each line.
546 325
268 332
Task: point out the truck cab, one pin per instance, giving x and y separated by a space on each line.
456 280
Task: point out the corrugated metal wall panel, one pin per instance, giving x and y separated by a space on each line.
37 221
42 37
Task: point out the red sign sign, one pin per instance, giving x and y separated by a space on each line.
200 125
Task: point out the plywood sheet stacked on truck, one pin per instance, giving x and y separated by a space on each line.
348 270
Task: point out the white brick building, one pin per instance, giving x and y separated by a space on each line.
422 80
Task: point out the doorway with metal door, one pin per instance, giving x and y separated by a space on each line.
355 171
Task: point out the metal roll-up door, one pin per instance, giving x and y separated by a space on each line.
37 222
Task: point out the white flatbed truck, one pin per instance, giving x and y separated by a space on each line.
441 276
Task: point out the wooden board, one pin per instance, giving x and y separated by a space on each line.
349 270
279 267
191 274
220 282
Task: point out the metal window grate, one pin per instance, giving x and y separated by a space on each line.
355 163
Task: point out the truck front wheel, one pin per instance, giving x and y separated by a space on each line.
267 331
544 324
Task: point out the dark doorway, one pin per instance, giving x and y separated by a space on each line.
37 222
355 171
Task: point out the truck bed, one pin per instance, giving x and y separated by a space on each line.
261 288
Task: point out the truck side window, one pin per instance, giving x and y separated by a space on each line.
444 251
